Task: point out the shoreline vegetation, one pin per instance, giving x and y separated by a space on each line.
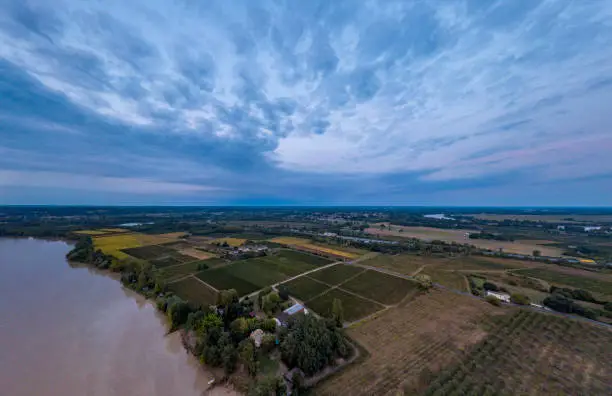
220 335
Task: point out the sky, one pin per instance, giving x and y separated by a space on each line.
414 102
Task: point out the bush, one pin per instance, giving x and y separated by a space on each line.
520 299
493 300
490 286
608 306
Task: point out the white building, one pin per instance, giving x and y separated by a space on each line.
500 296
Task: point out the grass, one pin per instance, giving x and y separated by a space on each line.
593 285
406 264
354 307
305 288
194 291
336 274
450 279
386 289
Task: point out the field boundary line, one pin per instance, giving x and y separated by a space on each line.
421 268
362 297
202 282
178 279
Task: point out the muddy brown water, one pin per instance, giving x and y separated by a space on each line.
67 330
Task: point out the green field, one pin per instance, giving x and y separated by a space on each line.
194 291
450 279
336 274
173 259
579 282
247 276
354 307
222 279
386 289
305 288
149 252
177 271
311 259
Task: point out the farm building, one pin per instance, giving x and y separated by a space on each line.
284 316
500 296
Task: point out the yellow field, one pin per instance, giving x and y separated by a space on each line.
306 244
290 241
115 243
199 254
90 232
147 239
230 241
114 230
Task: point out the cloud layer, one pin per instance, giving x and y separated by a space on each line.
320 102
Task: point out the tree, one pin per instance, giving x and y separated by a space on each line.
239 329
608 306
490 286
493 300
227 297
310 343
229 355
283 292
268 386
537 253
337 312
247 356
520 299
424 281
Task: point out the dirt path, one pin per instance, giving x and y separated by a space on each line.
202 282
421 268
275 286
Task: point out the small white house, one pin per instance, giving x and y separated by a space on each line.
500 296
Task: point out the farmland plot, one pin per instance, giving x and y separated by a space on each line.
223 279
530 353
590 283
149 252
354 307
305 288
385 289
194 291
336 274
408 343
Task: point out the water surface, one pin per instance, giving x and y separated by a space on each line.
75 331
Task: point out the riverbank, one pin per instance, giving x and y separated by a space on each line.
83 333
133 283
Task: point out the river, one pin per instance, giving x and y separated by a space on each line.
77 331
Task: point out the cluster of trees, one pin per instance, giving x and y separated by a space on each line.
311 344
491 236
85 252
576 294
272 302
561 303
